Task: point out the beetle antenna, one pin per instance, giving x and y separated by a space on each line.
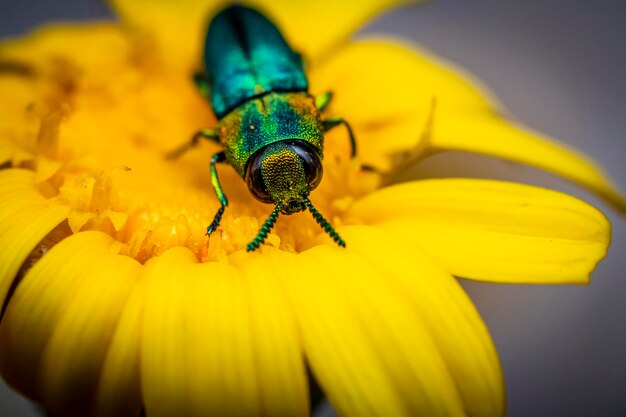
324 224
265 229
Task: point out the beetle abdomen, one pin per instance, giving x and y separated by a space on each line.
245 56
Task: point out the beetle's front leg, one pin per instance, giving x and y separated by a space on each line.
323 100
331 122
201 80
210 134
215 181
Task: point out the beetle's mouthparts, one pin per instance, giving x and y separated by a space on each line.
294 206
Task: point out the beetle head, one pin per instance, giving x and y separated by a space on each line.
284 173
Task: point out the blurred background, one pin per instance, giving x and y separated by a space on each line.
556 66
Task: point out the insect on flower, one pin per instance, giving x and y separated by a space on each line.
270 127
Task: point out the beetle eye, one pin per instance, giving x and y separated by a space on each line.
254 179
311 162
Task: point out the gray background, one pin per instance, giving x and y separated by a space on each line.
559 67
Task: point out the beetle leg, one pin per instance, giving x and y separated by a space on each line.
210 134
322 101
201 81
218 157
331 122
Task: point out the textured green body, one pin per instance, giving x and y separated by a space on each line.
270 127
245 56
271 118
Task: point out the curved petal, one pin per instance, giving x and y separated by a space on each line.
420 106
120 370
370 350
485 131
51 66
173 30
59 325
315 28
312 28
389 112
277 341
200 340
26 217
494 231
455 325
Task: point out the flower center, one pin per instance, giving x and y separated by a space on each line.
102 147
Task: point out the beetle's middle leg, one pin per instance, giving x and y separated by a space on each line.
215 181
321 102
331 122
210 134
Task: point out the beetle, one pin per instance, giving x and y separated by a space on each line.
269 126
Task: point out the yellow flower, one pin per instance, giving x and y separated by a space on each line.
116 300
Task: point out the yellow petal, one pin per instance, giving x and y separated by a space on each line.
277 341
494 231
25 219
387 113
366 344
59 324
120 370
454 323
391 114
37 51
200 341
312 28
481 129
171 31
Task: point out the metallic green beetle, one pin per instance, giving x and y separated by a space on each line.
270 127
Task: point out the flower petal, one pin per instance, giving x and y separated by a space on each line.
387 113
371 352
312 28
277 343
200 340
120 369
494 231
173 31
60 322
416 86
455 325
481 129
26 217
